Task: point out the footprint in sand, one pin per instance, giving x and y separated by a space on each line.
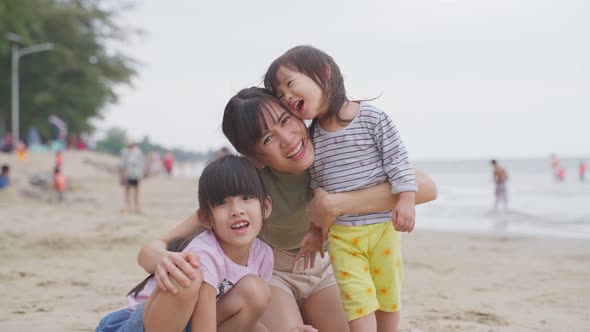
45 283
485 318
15 275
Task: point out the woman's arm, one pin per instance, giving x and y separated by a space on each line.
325 207
154 258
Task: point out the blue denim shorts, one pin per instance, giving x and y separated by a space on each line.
125 320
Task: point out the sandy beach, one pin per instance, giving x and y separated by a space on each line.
64 266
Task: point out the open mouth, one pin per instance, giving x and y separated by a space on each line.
295 151
297 106
240 225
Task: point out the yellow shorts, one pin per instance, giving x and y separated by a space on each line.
367 263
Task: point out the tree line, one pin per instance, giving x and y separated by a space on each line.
116 138
77 79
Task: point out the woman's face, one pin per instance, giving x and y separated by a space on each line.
285 146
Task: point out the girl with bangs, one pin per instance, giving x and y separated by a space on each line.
232 206
304 295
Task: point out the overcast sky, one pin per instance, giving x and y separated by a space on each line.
460 78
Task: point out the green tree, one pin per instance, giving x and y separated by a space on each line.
116 138
113 141
77 79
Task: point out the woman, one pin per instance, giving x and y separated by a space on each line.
264 130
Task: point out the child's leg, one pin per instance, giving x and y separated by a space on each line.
324 311
387 269
241 308
351 255
363 324
166 312
387 321
282 313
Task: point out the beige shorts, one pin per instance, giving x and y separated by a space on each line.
290 276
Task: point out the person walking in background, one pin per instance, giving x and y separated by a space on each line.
59 159
5 177
560 174
132 171
7 146
500 178
59 184
155 163
168 162
21 150
582 170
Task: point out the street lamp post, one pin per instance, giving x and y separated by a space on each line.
17 53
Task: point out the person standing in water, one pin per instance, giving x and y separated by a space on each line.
500 178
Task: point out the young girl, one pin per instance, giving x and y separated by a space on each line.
357 146
232 205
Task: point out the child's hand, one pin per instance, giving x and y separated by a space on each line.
179 266
312 243
321 211
404 212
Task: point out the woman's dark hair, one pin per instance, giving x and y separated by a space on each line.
318 66
229 176
243 118
175 245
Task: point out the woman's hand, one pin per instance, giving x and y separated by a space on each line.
322 210
312 243
179 266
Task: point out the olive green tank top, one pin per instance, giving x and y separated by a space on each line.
288 221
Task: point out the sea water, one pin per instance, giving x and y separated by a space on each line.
538 204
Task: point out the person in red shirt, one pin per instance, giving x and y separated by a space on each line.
582 169
168 162
59 159
59 182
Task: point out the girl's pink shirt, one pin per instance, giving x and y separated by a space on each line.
218 270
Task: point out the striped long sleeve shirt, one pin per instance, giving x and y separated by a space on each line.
367 152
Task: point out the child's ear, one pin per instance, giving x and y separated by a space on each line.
267 207
204 219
